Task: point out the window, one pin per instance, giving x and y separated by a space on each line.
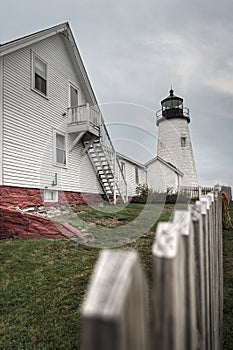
60 149
74 103
39 75
73 97
183 141
123 168
136 176
50 196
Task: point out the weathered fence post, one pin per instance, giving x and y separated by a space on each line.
115 313
200 282
183 221
220 259
187 290
212 258
204 205
168 289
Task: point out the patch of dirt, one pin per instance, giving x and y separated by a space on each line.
110 222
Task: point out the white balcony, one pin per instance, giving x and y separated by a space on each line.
84 118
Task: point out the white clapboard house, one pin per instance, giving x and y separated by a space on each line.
52 134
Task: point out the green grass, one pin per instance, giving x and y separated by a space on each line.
228 286
43 283
114 226
42 287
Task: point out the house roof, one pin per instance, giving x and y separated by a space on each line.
68 38
169 165
120 155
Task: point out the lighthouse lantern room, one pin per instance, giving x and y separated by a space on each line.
172 107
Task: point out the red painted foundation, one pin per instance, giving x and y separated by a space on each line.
21 197
75 198
30 197
16 223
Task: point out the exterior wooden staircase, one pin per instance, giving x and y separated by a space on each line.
107 170
87 124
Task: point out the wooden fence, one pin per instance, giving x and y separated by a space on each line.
195 192
186 303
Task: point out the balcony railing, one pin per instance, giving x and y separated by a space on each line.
83 117
170 113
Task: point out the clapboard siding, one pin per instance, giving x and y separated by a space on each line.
165 178
131 177
30 120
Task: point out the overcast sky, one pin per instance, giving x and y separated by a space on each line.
133 51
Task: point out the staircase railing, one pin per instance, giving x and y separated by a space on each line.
119 178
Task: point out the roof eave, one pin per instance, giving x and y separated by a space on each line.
120 155
32 38
44 34
177 171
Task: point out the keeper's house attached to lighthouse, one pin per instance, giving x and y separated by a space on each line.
54 144
174 165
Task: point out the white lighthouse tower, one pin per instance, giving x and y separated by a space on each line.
174 142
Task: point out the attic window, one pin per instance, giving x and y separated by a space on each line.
39 75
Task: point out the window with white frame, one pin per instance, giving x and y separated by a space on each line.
50 196
39 79
73 96
60 154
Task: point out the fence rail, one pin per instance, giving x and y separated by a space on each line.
187 288
195 192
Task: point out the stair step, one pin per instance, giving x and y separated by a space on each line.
106 176
106 181
93 150
94 157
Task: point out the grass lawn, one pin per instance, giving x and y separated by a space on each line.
42 287
43 282
114 226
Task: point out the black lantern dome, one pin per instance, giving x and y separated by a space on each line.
172 107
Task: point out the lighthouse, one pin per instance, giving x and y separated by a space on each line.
174 142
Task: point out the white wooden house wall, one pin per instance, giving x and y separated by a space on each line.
30 120
131 176
160 177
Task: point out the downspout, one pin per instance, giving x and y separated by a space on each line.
1 120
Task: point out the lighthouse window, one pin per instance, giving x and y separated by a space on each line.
183 141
